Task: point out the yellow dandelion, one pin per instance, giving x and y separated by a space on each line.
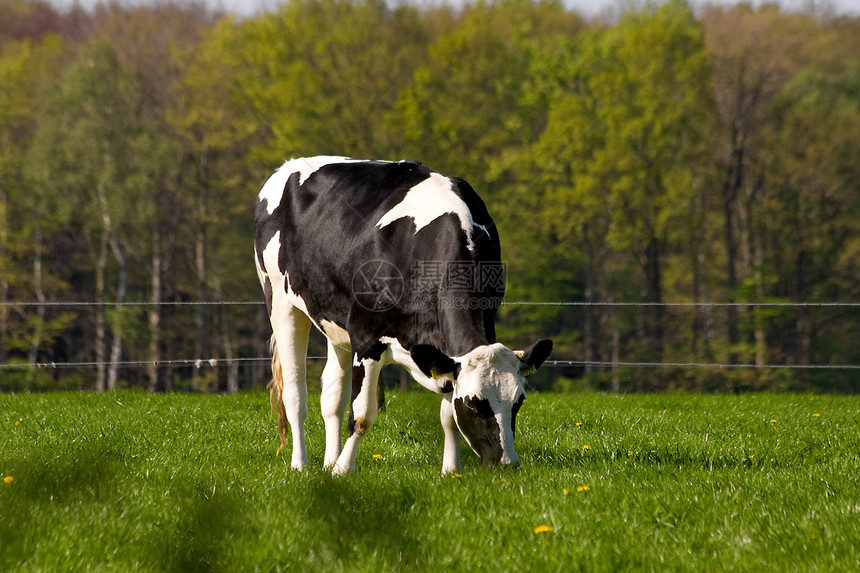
266 441
377 457
552 480
8 479
18 421
582 488
565 491
773 421
586 447
543 529
751 457
456 476
816 415
579 424
629 452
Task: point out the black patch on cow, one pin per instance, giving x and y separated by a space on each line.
478 424
535 354
267 291
375 351
328 231
432 361
514 411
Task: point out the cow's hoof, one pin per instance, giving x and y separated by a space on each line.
340 471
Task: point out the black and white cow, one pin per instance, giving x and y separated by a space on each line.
394 263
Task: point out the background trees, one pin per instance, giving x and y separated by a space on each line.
668 156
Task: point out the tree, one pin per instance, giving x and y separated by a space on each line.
214 132
85 148
320 74
625 127
754 54
24 65
466 109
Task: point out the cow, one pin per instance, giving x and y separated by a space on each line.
394 263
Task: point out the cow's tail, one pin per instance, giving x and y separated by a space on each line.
276 395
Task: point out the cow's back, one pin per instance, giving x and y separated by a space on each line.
340 222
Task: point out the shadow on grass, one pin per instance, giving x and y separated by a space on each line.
341 521
197 536
46 484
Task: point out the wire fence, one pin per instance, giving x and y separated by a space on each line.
213 362
515 303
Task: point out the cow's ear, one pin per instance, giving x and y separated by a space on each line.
533 356
433 362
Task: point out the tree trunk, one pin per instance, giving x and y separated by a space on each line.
734 177
101 322
616 356
38 329
116 346
654 295
232 365
154 311
4 274
200 323
590 337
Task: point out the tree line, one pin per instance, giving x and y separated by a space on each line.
665 155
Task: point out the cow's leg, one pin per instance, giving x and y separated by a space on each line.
362 413
451 454
334 398
292 328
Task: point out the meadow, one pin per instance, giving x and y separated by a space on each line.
142 482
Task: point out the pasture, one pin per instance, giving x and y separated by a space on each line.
139 482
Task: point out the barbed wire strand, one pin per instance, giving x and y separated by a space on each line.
213 362
36 304
553 363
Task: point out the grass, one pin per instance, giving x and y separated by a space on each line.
137 482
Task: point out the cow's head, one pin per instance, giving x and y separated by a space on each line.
488 390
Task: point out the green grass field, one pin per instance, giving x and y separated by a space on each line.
137 482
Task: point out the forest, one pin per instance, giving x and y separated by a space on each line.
673 185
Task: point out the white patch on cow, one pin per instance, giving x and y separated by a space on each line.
365 406
428 201
492 373
336 335
305 167
280 282
451 453
399 355
334 398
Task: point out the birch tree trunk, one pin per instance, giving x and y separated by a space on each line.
154 310
116 346
4 274
101 328
38 328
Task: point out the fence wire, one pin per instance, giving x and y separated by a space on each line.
35 304
214 362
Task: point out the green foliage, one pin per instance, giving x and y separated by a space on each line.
178 482
664 156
